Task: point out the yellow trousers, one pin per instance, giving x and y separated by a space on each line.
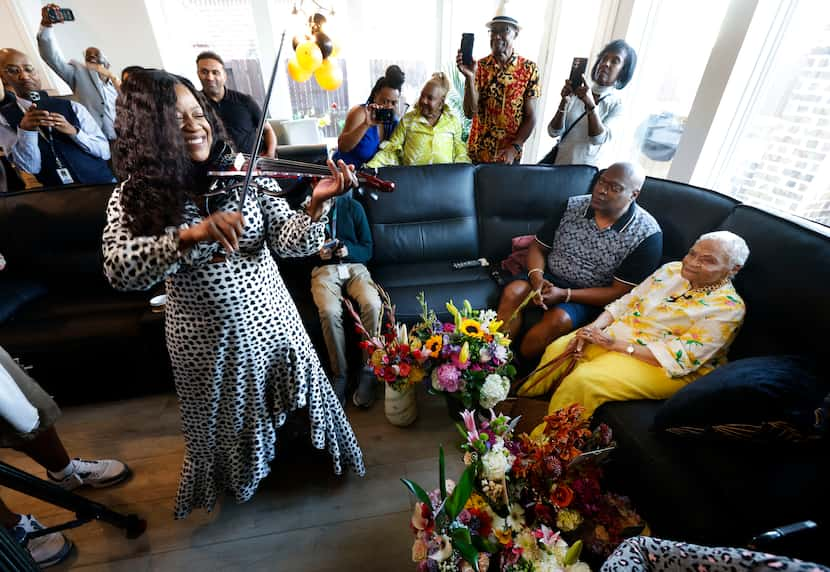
600 376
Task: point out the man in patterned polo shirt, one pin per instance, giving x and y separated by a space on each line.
593 250
500 94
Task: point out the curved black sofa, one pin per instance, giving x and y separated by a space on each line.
84 338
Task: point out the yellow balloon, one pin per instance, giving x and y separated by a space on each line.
335 50
309 56
328 75
296 72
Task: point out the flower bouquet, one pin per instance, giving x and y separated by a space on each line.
395 360
456 530
469 357
553 480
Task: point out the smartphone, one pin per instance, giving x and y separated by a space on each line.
578 68
61 15
467 48
384 114
332 244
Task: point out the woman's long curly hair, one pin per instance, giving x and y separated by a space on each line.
150 150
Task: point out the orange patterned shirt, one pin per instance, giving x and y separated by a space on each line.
502 91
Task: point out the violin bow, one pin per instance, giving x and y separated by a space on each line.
261 128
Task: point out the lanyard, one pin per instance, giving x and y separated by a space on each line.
51 142
334 220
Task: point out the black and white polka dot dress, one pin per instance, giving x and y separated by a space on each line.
241 357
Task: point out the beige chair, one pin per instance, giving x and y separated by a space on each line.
296 131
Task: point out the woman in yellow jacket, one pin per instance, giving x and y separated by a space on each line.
427 135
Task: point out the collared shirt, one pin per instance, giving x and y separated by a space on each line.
686 330
241 115
416 142
585 256
22 145
96 94
579 148
502 91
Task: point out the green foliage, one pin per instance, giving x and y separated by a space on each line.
442 474
417 491
455 99
461 493
462 542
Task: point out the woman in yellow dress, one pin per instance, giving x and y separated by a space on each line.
427 135
672 328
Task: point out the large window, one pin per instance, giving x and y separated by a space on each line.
776 150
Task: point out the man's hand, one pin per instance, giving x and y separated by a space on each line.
507 154
61 125
44 15
35 118
342 252
469 72
325 253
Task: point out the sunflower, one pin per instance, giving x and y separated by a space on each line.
433 345
472 328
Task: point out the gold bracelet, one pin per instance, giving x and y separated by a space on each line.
532 270
568 297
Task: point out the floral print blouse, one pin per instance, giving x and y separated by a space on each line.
686 330
415 142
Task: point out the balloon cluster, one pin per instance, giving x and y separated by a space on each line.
314 54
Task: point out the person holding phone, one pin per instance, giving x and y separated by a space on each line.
369 124
500 94
428 135
92 81
589 109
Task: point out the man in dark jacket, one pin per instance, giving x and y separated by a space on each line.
343 268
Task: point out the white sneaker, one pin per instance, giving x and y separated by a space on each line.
46 550
97 474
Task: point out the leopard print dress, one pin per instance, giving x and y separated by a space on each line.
241 357
644 554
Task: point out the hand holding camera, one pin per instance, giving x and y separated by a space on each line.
54 14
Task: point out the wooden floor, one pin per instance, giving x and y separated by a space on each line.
303 518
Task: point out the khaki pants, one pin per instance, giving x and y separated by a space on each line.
46 407
327 288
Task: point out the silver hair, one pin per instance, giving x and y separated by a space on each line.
733 245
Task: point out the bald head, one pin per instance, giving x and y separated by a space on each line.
18 72
616 188
632 174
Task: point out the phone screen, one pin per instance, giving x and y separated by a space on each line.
467 48
578 68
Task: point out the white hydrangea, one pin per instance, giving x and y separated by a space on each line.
495 463
486 317
494 390
579 567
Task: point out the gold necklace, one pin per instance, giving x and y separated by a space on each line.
710 287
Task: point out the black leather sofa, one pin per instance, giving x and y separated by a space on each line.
695 491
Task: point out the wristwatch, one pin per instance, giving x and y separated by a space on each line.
629 350
517 147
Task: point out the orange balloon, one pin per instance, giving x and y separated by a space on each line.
296 72
309 56
328 75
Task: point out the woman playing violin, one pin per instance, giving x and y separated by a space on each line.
241 358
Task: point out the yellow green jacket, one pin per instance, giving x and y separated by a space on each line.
416 142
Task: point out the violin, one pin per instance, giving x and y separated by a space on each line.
231 168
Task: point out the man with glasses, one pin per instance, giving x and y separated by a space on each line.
53 139
500 94
92 82
594 249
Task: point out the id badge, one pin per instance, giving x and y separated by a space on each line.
65 176
342 272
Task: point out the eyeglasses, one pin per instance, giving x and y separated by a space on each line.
16 70
502 31
614 187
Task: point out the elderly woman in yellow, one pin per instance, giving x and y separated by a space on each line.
672 328
427 135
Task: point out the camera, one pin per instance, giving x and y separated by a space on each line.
60 15
383 114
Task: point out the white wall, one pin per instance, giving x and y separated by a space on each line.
120 28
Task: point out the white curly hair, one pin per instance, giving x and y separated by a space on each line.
733 245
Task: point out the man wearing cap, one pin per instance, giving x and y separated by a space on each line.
500 94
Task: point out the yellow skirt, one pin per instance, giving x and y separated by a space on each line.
600 376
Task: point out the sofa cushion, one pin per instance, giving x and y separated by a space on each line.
429 218
747 399
439 283
516 200
684 213
784 284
